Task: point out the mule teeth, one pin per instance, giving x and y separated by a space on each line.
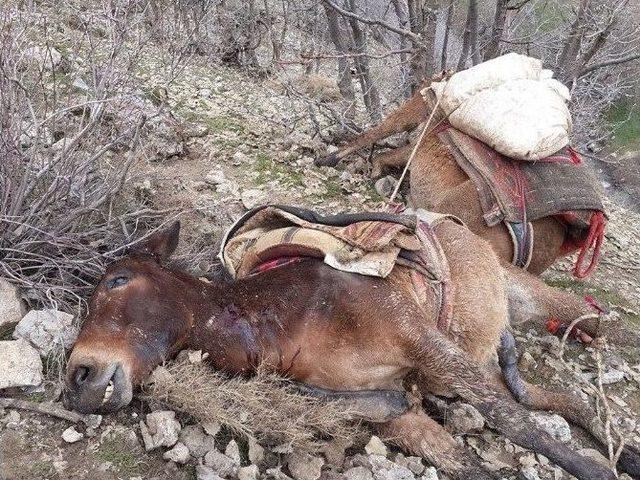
108 392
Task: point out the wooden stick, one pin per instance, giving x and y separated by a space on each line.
53 410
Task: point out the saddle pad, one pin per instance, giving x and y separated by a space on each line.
366 244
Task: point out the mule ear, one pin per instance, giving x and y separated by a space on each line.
163 243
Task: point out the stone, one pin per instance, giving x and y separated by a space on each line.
20 365
162 429
304 466
253 197
358 473
256 452
554 425
464 418
212 428
205 92
612 376
334 450
233 451
239 158
526 361
221 464
11 307
412 463
430 474
179 453
80 84
394 473
206 473
215 177
376 447
44 58
250 472
12 420
385 186
530 473
197 441
47 330
71 435
276 474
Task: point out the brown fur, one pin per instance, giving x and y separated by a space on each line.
329 329
439 184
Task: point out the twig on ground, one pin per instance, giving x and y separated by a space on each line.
51 409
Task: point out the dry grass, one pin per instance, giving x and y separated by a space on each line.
265 407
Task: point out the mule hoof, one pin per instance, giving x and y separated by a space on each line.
330 160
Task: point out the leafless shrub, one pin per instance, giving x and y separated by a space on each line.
264 407
65 154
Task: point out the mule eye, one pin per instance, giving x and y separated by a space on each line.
117 282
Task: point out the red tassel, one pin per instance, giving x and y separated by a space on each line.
594 241
573 155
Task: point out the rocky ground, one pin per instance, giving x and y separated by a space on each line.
238 149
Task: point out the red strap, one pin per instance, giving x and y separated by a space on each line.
594 241
573 155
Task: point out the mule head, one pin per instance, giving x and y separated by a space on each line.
138 316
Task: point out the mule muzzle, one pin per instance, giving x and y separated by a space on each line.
93 388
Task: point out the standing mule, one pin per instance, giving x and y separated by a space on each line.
438 183
339 331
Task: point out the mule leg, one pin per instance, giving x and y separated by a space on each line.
406 117
420 435
566 404
397 157
443 366
532 299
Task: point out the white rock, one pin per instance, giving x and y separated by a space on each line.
46 330
395 473
206 473
530 473
358 473
412 463
44 58
612 376
239 158
221 464
253 197
248 473
11 306
376 447
233 451
179 453
304 466
256 452
212 428
554 425
12 420
197 440
385 186
464 418
20 365
80 84
430 474
71 435
163 429
215 177
205 92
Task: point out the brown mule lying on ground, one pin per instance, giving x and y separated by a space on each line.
339 331
438 183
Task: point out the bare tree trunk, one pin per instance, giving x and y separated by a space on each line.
571 48
403 20
445 40
344 71
361 63
470 37
497 30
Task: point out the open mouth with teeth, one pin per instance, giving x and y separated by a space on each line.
107 392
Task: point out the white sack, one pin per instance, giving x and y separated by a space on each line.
511 104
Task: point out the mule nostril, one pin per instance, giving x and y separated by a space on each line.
81 374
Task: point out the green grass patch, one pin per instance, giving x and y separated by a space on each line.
267 169
624 117
115 450
216 123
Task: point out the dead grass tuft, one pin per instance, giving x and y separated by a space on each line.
266 407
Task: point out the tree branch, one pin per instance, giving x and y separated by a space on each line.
406 33
608 63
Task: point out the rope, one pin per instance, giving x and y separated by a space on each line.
414 151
